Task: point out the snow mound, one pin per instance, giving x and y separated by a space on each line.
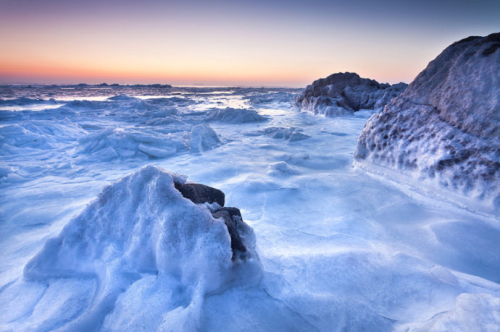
144 256
235 115
203 138
346 93
445 128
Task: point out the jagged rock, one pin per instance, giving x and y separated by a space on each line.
231 222
445 128
345 93
232 211
200 194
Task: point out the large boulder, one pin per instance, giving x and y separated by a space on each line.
345 93
445 128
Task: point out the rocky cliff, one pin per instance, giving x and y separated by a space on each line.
445 128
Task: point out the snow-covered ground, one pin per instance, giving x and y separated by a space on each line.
339 249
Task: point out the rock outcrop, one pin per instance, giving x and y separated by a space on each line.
200 194
445 128
345 93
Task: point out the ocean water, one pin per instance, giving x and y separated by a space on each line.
332 246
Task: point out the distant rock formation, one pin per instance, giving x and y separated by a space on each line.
345 93
446 126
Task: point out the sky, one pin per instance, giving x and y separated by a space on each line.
230 42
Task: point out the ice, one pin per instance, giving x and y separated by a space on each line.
138 228
472 312
232 115
445 128
290 134
115 143
333 247
202 138
272 99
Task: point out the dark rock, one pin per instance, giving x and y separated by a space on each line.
345 93
445 128
199 193
231 224
232 211
491 49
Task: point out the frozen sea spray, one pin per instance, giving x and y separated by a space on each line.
152 254
445 128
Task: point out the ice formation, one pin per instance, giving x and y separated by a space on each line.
231 115
289 134
202 138
338 248
445 128
142 232
345 93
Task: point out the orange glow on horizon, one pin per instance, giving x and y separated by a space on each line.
50 74
222 42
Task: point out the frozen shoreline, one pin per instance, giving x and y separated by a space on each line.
339 247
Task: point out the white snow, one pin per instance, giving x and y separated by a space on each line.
336 248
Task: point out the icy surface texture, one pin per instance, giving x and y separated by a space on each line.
232 115
445 128
289 134
341 249
141 231
345 93
272 99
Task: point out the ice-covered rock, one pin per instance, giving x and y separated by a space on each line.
146 255
445 128
235 115
215 198
345 93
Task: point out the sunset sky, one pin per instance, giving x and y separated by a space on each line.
245 43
